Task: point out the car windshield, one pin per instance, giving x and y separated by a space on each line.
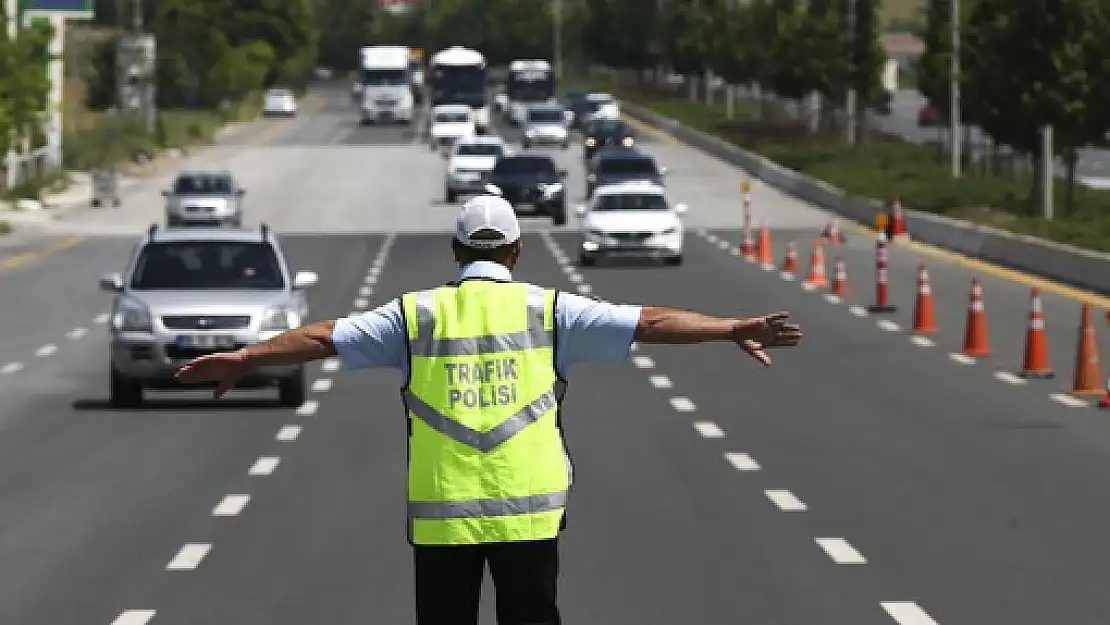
546 116
631 202
202 184
479 149
609 129
626 166
452 118
385 77
279 93
207 265
524 165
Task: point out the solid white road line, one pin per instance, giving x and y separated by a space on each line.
907 613
961 359
643 362
741 461
683 404
858 311
11 367
46 350
189 557
330 365
922 341
660 381
785 500
708 429
308 408
76 333
888 326
370 278
322 385
841 551
231 505
1009 378
1070 401
101 318
264 465
288 433
134 617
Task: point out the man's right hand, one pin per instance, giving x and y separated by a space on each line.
758 334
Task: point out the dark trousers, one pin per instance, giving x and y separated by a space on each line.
449 582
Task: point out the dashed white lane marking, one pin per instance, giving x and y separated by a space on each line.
723 245
741 461
308 408
330 365
841 551
858 311
370 278
785 500
11 367
1070 401
832 299
786 275
365 291
1009 378
809 286
101 318
575 278
189 557
712 238
288 433
708 429
134 617
46 350
660 381
375 270
76 333
264 465
888 325
907 613
643 362
568 270
962 359
231 505
361 303
322 385
683 404
922 341
584 289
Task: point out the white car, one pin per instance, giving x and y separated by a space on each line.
448 123
546 124
279 102
631 219
601 106
469 164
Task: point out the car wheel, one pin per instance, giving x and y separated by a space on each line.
586 261
124 392
450 196
674 261
293 390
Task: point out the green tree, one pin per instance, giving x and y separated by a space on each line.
934 65
24 86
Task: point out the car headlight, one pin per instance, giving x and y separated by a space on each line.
132 316
552 188
627 142
590 142
280 318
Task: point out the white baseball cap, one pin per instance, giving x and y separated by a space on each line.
487 221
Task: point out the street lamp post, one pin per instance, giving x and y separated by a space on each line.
557 34
954 89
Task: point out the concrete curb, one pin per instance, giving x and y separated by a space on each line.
1066 263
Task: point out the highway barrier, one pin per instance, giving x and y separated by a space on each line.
1065 263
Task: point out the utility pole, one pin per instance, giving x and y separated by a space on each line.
850 104
954 88
557 34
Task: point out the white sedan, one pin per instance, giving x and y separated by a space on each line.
631 219
279 102
449 123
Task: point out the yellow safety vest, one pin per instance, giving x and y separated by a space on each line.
487 462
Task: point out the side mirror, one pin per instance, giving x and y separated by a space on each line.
111 282
562 173
305 279
493 189
580 210
681 209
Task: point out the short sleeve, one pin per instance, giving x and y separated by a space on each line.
375 338
591 330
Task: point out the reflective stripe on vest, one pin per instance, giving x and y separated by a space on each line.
482 375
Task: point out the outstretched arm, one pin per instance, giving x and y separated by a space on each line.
674 326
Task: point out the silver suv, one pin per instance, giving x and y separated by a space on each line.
192 291
204 197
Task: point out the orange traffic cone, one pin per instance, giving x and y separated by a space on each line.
766 258
924 309
840 279
1035 363
817 277
898 223
790 263
1088 369
976 341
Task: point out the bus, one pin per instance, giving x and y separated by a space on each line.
458 75
529 82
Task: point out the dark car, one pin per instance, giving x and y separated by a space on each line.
532 184
612 166
606 132
576 102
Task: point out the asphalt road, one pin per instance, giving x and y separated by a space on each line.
864 479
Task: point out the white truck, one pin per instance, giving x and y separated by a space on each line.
386 85
458 75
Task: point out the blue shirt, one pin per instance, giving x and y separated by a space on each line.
588 330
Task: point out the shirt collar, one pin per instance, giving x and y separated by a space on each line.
486 269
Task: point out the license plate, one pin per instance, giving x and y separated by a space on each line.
205 341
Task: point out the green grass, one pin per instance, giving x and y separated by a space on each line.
5 227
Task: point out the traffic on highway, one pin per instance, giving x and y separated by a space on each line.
933 454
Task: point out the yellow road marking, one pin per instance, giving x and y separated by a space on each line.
18 260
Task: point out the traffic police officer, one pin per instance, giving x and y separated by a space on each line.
485 359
